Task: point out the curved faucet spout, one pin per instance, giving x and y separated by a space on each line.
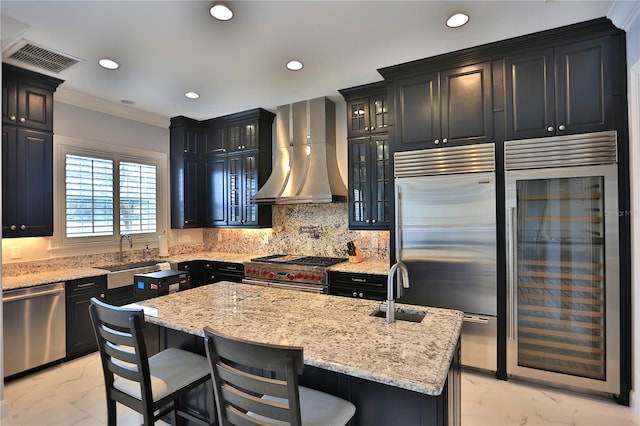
391 303
128 237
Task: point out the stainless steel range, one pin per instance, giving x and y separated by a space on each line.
304 273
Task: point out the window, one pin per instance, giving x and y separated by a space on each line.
109 196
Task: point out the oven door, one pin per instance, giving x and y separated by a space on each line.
310 288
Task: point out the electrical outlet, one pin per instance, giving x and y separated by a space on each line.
265 239
219 236
16 252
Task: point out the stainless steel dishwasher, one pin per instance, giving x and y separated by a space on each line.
34 327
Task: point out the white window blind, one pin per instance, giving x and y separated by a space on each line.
137 198
88 196
107 197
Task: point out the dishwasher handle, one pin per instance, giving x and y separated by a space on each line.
32 295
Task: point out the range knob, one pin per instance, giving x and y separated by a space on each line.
306 276
299 275
264 272
271 275
291 277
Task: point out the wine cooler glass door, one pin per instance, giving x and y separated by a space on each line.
563 287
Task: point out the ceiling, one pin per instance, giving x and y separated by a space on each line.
167 48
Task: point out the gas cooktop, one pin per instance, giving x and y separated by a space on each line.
292 259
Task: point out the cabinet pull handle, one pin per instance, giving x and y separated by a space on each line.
358 280
85 285
12 118
561 127
373 221
445 140
23 120
23 226
550 129
367 221
12 227
437 141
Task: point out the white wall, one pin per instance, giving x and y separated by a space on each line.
631 24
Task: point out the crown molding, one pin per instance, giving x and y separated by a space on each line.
93 103
623 12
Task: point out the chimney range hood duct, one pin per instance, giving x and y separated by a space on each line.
305 169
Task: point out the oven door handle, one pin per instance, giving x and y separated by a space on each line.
299 287
255 282
314 289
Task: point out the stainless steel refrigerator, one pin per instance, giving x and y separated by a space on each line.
445 232
563 313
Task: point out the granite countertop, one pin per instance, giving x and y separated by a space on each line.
337 333
40 278
66 274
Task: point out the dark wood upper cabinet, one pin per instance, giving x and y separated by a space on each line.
368 121
369 182
187 173
217 165
216 211
568 89
27 98
27 182
450 107
27 152
368 114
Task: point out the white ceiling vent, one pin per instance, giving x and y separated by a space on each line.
28 53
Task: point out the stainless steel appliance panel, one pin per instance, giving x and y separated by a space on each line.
447 238
480 342
34 327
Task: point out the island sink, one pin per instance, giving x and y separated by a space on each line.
411 315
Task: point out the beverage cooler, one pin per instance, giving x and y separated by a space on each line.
563 314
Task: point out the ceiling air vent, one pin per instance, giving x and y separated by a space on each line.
25 52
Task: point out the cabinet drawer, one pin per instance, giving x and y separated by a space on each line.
86 285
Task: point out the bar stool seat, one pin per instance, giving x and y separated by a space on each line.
257 384
170 370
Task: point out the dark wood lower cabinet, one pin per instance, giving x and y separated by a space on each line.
81 338
376 404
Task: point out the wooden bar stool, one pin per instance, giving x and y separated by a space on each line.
151 386
245 398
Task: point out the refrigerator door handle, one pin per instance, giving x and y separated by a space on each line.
398 234
511 275
475 318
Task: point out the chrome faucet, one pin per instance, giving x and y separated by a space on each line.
128 237
391 303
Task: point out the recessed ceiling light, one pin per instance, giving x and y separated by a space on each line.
109 64
295 65
221 11
192 95
457 20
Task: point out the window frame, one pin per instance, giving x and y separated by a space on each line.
63 245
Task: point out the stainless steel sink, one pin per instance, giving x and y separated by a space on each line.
411 315
122 275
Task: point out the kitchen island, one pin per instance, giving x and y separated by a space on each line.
401 373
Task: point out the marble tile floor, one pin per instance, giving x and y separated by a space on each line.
72 393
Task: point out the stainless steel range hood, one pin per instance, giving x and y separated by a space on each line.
305 169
